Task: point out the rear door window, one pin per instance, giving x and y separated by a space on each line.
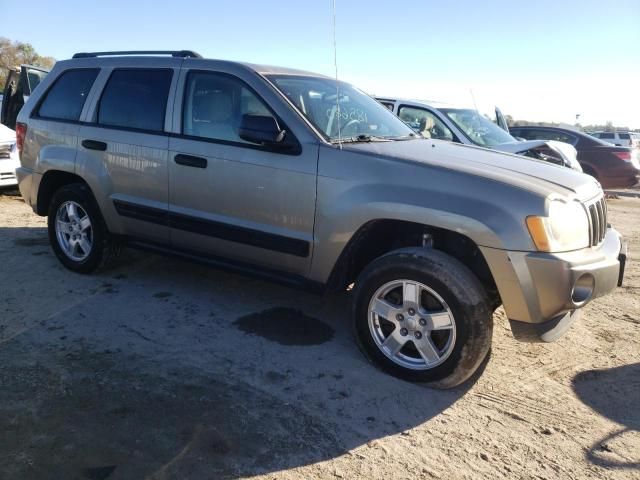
535 134
624 136
65 99
136 99
607 136
563 137
528 134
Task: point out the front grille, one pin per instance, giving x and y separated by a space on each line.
7 176
597 221
5 152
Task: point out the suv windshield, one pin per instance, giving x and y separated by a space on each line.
479 129
353 116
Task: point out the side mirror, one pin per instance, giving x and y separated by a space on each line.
260 129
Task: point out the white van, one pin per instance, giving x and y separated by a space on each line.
621 139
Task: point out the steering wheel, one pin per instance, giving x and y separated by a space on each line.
350 124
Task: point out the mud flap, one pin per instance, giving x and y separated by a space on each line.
622 258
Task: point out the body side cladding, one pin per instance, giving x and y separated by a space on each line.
211 228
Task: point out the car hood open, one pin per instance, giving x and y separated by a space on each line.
565 152
526 173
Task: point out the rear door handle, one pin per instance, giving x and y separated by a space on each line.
190 161
94 145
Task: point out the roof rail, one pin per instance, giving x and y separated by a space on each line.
173 53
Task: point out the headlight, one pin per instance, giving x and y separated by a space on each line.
566 228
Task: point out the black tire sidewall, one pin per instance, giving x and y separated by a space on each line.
80 194
472 317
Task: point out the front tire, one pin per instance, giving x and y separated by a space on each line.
77 232
422 316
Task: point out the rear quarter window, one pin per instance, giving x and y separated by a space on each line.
136 99
624 136
65 99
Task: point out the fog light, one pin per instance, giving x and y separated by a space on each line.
583 289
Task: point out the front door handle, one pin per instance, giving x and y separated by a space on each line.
94 145
190 161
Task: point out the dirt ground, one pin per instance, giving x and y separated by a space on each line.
163 369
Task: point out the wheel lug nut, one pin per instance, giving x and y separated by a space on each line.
404 332
412 311
399 317
418 335
422 322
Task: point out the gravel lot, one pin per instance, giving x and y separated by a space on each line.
164 369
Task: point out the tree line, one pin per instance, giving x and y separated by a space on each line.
607 127
16 53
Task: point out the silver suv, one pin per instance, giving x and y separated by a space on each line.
307 180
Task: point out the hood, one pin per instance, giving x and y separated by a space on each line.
518 147
529 174
564 151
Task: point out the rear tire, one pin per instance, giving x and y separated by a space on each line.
77 232
422 316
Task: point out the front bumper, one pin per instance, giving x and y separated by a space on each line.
8 171
539 290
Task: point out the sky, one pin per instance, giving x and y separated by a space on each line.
540 61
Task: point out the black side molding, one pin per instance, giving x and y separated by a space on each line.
139 212
211 228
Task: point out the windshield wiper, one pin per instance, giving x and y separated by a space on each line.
362 138
411 136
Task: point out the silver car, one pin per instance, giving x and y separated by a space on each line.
464 124
299 178
9 160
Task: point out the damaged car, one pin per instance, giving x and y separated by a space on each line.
467 126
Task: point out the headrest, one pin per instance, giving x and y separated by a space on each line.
211 103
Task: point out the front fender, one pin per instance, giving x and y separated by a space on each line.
339 219
354 190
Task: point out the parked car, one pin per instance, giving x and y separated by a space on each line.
621 139
465 125
9 160
612 166
19 85
303 179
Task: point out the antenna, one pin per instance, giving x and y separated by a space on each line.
335 64
473 97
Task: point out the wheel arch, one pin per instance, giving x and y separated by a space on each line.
52 181
378 237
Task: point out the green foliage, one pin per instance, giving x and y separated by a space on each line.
15 53
608 127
